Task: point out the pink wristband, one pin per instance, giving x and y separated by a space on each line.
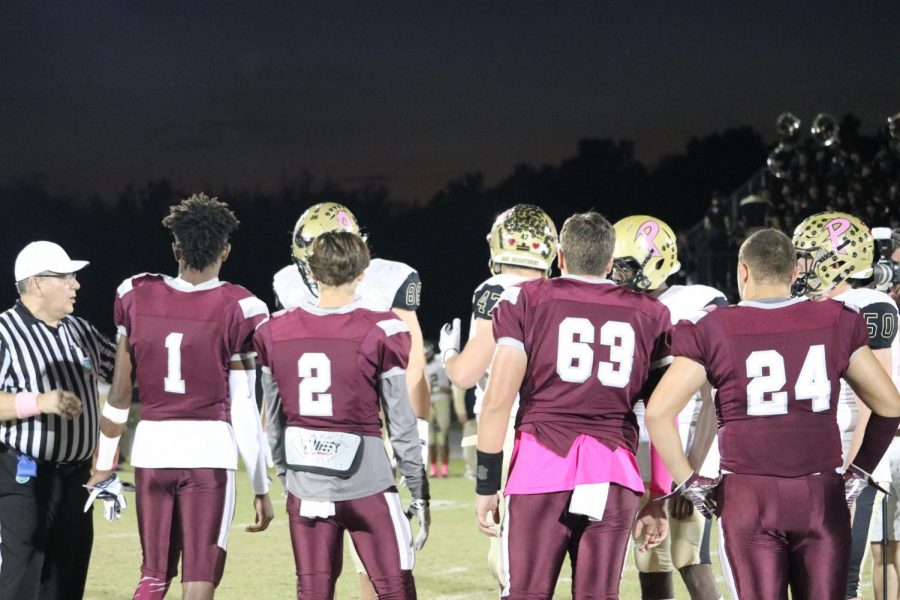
27 405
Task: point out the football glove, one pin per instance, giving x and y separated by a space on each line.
422 512
448 343
111 491
699 490
855 481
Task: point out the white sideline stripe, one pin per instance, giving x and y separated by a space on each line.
227 511
402 531
726 564
504 550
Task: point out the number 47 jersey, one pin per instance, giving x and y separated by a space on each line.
777 367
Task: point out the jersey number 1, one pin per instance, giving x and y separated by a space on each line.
173 383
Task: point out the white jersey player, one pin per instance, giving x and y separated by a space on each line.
386 286
841 275
645 255
523 244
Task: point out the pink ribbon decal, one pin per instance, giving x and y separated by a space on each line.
836 228
344 221
648 231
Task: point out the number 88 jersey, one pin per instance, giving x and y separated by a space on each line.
777 367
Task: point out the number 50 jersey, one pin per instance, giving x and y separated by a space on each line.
777 367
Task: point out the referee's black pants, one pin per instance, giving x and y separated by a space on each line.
45 535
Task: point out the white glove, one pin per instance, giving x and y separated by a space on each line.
422 512
111 492
448 343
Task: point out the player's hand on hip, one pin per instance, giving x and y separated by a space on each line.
651 525
448 343
60 402
487 514
421 510
264 514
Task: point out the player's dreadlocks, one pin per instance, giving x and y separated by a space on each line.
201 226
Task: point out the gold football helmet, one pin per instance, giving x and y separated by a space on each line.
835 246
523 236
318 218
645 254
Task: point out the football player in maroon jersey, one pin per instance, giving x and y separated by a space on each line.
327 368
188 341
776 362
578 350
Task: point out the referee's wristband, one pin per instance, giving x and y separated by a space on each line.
488 473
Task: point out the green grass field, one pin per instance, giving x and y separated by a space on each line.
261 566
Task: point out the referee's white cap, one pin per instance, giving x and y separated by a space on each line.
39 257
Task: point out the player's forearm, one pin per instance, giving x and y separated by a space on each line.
247 426
404 435
418 392
705 429
461 371
118 400
667 443
492 425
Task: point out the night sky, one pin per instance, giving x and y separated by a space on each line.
96 95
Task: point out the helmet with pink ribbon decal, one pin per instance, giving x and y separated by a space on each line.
318 219
646 252
832 247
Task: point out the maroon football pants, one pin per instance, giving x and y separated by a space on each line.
539 531
381 535
186 514
777 532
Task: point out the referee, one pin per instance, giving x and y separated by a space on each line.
50 363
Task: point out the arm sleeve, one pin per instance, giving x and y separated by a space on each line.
404 435
409 294
881 324
106 352
485 299
878 436
276 422
247 427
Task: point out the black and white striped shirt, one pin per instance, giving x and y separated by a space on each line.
35 357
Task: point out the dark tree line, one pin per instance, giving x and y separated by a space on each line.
444 238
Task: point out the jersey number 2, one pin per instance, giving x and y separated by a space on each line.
812 383
314 369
